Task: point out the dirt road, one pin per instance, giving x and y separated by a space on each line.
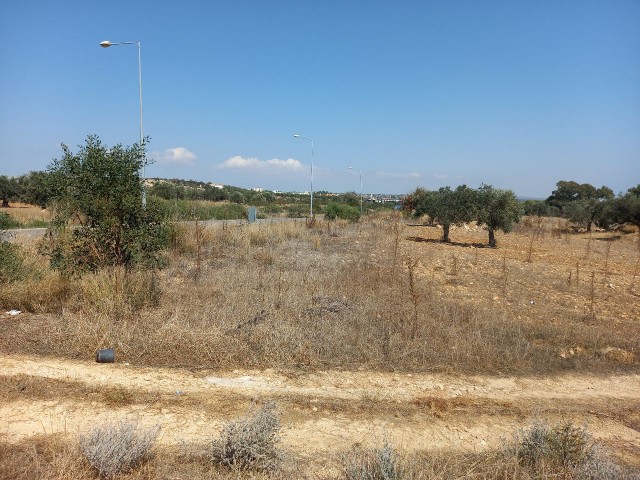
320 411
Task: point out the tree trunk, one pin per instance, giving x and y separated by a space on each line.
445 233
492 238
5 202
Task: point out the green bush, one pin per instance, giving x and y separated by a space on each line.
297 210
101 188
7 221
564 451
229 211
192 210
272 209
341 210
12 266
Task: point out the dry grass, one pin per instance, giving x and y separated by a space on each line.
58 457
28 215
336 295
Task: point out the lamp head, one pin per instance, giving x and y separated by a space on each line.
105 44
296 135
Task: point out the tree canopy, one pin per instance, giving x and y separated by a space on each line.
498 210
9 189
446 207
99 191
627 207
581 203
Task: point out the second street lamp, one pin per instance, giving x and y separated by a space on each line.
311 140
107 44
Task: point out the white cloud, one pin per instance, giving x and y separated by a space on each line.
239 163
440 176
177 155
397 175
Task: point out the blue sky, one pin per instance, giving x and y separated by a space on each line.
515 94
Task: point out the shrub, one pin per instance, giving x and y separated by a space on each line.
7 221
12 265
250 443
379 463
562 449
118 447
102 190
341 210
272 209
297 210
229 211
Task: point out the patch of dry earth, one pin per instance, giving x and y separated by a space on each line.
325 411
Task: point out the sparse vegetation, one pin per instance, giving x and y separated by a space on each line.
564 450
250 443
117 447
379 296
378 463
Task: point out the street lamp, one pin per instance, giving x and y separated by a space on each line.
311 140
351 168
107 44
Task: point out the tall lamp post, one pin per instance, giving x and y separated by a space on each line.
311 140
351 168
107 44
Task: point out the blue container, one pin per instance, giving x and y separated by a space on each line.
105 356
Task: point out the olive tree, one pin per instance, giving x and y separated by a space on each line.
9 190
99 219
446 207
581 203
627 208
498 210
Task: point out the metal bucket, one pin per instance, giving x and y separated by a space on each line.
105 356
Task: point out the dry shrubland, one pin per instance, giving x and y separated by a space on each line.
542 451
380 295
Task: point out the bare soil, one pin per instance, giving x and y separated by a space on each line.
322 412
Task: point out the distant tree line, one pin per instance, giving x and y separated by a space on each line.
587 205
583 204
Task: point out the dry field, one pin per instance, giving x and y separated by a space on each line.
28 214
360 334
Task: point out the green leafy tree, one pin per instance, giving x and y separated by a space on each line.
168 191
35 188
539 208
9 190
581 203
236 197
213 194
498 210
447 207
342 210
258 199
627 207
100 191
